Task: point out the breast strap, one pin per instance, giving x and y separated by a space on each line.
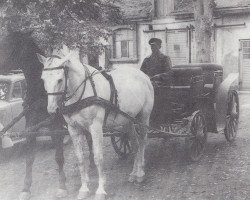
111 105
93 100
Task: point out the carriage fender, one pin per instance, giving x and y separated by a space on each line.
231 83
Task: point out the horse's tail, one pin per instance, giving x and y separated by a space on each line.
145 113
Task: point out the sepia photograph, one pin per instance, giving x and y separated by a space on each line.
124 99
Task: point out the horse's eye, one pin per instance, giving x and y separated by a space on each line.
60 80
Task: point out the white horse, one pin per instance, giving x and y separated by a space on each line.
135 97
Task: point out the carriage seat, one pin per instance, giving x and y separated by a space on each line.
187 85
182 75
213 75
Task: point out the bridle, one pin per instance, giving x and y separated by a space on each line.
88 76
65 69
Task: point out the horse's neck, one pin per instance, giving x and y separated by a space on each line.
77 74
32 69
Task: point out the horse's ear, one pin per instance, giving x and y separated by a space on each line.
41 58
65 49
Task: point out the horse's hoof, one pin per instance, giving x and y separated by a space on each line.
24 196
61 193
82 195
140 179
131 178
100 196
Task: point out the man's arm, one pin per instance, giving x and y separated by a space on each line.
144 66
168 63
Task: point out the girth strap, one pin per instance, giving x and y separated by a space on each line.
113 94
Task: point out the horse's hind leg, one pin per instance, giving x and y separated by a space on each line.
142 138
138 173
97 137
78 139
58 142
30 157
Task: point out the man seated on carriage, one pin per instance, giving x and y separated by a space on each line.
158 67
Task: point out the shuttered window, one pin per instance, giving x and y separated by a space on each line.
246 49
245 64
124 44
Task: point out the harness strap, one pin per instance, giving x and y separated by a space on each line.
90 76
113 94
94 100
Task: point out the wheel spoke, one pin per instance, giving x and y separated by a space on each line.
196 145
232 117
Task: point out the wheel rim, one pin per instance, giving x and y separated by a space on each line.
121 144
232 119
196 144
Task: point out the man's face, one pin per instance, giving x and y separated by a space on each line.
155 47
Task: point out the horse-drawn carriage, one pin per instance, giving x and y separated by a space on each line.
196 102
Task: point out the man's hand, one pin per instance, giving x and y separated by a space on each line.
162 79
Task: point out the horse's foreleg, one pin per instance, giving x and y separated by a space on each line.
78 139
97 137
91 154
58 142
30 157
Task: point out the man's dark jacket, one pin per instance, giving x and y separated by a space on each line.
156 64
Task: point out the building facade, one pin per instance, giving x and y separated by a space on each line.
172 21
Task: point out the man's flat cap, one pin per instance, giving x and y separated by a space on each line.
154 41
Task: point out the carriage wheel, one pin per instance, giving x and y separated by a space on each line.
196 142
121 143
232 119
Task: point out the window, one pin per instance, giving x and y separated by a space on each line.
246 49
124 44
125 48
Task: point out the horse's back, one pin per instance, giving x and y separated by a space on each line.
135 91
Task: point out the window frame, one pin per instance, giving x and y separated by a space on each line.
134 58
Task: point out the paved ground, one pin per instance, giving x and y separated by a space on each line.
223 173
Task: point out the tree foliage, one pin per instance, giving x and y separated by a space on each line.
77 23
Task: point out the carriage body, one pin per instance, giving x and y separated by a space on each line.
197 87
193 101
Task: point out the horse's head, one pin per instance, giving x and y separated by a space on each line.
54 77
17 51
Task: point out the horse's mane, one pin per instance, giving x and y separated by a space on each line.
18 51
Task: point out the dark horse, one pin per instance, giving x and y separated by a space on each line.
18 51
